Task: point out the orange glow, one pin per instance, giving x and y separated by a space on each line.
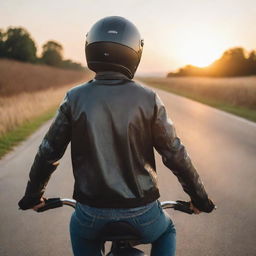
200 49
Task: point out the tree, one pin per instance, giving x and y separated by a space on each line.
233 62
2 50
52 53
252 62
18 45
69 64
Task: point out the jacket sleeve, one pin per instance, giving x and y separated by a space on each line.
176 158
50 151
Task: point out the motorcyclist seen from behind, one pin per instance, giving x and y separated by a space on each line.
114 124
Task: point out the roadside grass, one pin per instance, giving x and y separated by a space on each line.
242 111
14 137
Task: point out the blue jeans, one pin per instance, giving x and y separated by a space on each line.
151 221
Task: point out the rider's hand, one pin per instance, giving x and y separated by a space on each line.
36 207
194 209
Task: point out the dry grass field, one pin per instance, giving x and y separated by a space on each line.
17 109
234 91
27 91
19 77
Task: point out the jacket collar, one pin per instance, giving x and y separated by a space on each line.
110 75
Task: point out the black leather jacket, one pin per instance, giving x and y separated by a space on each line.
113 124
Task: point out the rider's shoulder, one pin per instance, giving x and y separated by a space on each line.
76 90
137 87
143 88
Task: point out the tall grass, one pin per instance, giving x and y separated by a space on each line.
240 92
28 91
23 107
18 77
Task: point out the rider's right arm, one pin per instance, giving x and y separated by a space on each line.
176 158
50 151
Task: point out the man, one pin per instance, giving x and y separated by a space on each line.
114 124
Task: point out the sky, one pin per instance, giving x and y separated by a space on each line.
176 33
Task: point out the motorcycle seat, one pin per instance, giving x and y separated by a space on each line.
119 231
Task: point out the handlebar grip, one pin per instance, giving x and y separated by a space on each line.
183 207
51 203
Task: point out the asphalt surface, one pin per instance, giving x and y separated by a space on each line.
222 146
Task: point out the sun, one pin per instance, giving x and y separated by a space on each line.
199 50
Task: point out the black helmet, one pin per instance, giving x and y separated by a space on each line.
113 44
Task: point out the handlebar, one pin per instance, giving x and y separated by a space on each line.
178 205
52 203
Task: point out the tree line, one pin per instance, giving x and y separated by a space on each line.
233 62
16 43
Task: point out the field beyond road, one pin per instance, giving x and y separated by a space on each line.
29 95
234 95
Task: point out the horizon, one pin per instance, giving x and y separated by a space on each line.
182 33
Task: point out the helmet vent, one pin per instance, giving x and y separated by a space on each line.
112 32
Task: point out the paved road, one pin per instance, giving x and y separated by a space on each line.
222 146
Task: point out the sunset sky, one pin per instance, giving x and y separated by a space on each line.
176 33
